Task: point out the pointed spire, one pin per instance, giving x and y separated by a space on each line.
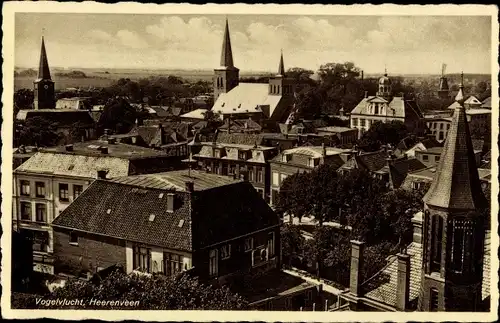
456 184
460 98
43 69
281 68
385 70
226 59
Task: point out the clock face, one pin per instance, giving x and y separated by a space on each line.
46 86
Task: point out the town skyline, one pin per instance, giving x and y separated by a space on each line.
193 42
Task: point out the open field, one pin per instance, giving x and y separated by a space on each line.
103 78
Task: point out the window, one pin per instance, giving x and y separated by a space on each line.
142 259
276 179
441 135
63 192
434 300
73 238
41 212
425 157
248 244
416 185
40 241
270 244
213 262
25 188
448 126
259 178
232 169
40 189
172 263
376 108
362 122
217 153
77 191
225 252
242 155
436 244
283 177
436 158
26 211
355 121
251 174
441 126
288 303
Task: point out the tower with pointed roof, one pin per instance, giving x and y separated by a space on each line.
43 85
454 229
283 86
226 76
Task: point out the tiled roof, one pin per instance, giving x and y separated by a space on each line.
62 117
335 129
240 138
383 286
124 212
195 114
176 180
120 150
230 211
400 168
75 165
243 125
372 161
456 184
398 107
72 103
316 151
486 103
247 98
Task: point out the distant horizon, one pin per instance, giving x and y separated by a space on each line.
402 44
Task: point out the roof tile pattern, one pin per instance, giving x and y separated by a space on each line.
123 211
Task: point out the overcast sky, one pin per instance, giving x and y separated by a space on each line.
416 44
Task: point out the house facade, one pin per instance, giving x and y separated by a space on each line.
238 155
49 181
386 107
303 159
168 223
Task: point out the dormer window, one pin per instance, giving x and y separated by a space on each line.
286 158
243 155
217 153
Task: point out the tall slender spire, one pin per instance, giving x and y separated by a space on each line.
456 184
281 68
226 59
43 69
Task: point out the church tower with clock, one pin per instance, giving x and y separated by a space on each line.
43 86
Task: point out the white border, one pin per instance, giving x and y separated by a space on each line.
9 10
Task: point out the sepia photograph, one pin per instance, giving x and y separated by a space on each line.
268 162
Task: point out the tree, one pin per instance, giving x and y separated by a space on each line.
118 115
38 131
23 99
383 133
292 243
153 292
292 197
213 120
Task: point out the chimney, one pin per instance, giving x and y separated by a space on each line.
416 222
362 75
403 283
189 186
102 174
69 147
106 134
366 94
104 150
357 248
323 150
170 202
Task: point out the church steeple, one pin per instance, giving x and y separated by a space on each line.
43 68
226 75
281 67
457 184
454 227
226 59
44 93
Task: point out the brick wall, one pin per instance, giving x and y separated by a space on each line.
91 252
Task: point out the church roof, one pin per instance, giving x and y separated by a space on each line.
281 68
43 69
247 98
456 184
226 59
